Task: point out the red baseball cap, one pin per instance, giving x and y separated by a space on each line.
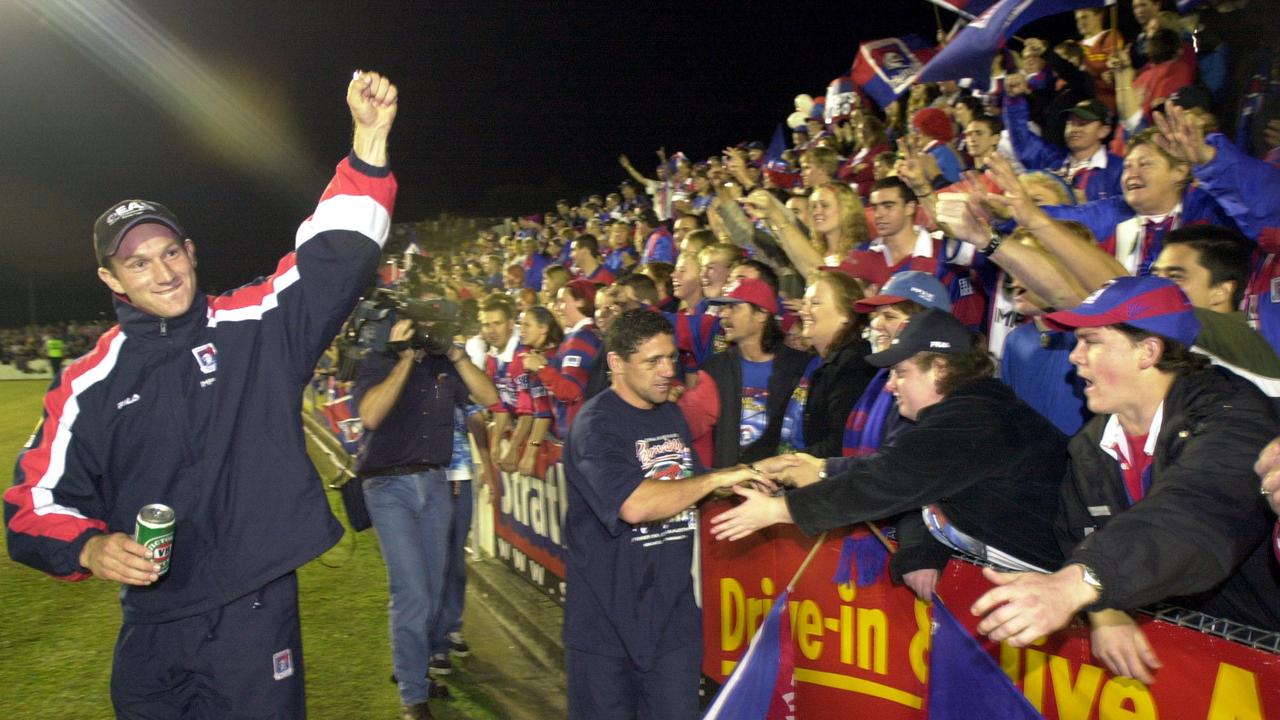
750 290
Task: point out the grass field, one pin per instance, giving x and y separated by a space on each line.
56 637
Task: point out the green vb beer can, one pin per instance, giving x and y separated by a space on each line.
155 531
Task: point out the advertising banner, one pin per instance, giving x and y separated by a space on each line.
864 651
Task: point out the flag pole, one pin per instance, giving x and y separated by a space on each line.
880 536
813 551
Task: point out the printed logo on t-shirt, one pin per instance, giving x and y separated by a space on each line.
1275 289
754 415
665 457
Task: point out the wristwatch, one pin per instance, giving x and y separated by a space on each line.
992 244
1091 578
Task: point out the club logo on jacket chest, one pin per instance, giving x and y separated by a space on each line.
206 357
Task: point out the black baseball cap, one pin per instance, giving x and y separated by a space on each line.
1090 110
1191 96
932 331
124 216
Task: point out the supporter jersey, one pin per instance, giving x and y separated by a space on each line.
495 366
601 275
613 260
948 261
534 264
659 247
755 400
1120 230
696 335
568 371
531 396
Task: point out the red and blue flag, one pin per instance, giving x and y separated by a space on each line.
969 53
763 684
967 9
885 67
965 682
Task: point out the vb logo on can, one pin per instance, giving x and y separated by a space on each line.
154 531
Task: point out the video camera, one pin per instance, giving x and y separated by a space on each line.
435 322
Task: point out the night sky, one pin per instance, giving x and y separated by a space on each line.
232 112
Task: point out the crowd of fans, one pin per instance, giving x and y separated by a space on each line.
1084 161
19 347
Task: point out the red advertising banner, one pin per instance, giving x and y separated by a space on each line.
528 520
864 652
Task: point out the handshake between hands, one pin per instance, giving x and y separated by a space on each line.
762 504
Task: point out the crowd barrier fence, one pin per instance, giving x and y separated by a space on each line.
863 651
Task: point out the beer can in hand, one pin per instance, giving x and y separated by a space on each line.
155 531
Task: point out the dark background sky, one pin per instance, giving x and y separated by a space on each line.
232 112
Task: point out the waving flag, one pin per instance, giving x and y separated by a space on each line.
969 53
885 67
763 684
967 9
965 683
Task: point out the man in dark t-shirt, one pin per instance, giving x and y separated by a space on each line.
632 628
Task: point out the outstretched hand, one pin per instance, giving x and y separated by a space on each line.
1118 642
1015 199
757 511
1027 606
1182 136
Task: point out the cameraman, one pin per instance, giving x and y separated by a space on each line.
406 398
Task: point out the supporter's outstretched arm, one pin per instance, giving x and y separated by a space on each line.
797 247
1128 98
918 169
1246 188
1033 152
1089 264
625 162
1035 269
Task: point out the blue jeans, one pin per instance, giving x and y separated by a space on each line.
422 530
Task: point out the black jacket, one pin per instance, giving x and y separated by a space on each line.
725 368
991 463
835 386
1199 538
200 413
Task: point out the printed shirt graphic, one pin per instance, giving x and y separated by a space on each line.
629 588
665 457
793 417
755 401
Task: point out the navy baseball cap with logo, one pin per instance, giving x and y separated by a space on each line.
124 216
931 331
914 285
1148 303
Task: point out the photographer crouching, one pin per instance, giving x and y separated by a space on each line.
407 393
